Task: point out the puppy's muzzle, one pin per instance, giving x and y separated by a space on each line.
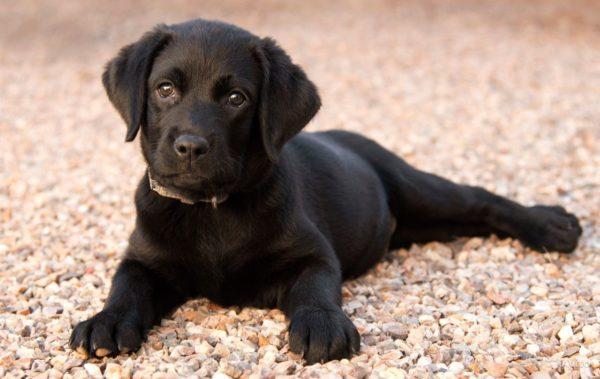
190 147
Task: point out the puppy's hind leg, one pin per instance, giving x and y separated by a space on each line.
428 207
406 235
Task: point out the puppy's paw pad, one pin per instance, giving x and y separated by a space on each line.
322 334
552 228
105 335
128 337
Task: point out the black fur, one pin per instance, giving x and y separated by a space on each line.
297 213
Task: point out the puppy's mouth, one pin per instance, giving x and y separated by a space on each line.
182 187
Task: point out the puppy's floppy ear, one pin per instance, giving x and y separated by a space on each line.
288 99
125 77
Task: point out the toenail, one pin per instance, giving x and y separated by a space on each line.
81 350
102 352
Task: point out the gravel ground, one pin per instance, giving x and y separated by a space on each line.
504 95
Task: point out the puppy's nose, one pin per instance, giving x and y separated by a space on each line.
191 147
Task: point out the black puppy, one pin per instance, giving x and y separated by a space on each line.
236 206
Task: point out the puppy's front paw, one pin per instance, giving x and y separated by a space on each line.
551 228
107 333
322 334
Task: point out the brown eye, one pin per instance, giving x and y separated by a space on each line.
165 89
236 99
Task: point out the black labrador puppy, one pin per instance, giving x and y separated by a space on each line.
238 207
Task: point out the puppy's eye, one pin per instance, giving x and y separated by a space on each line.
165 89
236 99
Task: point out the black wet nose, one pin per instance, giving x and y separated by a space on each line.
189 146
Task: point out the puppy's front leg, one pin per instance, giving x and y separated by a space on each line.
319 329
137 300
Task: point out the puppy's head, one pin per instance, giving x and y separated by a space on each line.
210 99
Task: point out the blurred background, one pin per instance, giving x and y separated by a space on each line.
491 92
504 94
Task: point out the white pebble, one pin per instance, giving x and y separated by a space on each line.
113 371
591 333
93 370
539 291
565 333
533 349
456 367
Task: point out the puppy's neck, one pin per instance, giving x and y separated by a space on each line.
157 187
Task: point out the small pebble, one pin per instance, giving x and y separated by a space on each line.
93 370
496 369
565 333
591 333
456 367
541 375
113 371
396 330
539 291
533 349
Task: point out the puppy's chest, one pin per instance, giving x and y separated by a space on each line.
227 257
224 260
240 275
224 236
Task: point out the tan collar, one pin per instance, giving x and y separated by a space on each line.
164 191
